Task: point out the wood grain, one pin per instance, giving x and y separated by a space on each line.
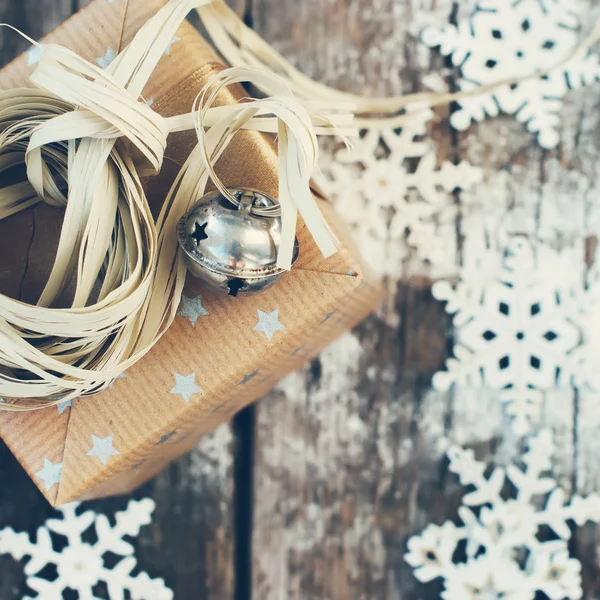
348 452
346 460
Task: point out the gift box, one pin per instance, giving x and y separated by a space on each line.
221 353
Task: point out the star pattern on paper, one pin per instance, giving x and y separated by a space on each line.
166 437
62 406
506 550
107 59
268 323
34 54
249 377
524 322
505 40
103 448
185 386
395 195
192 309
79 566
50 474
112 383
173 40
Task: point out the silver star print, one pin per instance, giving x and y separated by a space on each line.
62 406
268 323
50 474
103 448
185 386
104 61
248 378
121 376
150 102
173 40
34 54
192 309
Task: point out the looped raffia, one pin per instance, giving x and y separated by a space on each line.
106 109
87 137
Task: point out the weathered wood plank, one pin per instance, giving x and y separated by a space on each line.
346 450
556 192
190 542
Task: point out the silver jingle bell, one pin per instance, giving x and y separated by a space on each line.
233 248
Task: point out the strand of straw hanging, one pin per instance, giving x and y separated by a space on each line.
241 45
75 133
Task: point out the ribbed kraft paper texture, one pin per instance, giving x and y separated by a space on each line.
317 300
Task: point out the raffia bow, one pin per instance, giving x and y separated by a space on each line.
82 158
86 137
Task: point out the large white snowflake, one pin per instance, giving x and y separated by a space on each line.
525 322
500 549
80 565
508 39
390 188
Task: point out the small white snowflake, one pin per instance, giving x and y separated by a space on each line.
506 40
392 191
80 565
524 320
498 549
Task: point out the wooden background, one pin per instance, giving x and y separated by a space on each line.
314 493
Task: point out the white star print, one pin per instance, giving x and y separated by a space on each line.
50 474
104 61
103 448
34 54
62 406
174 40
192 309
268 323
121 376
185 386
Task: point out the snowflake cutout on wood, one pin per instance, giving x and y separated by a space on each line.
502 547
80 565
505 40
391 190
523 317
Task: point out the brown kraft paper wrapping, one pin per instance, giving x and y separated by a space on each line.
221 353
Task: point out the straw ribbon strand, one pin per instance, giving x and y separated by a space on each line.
86 138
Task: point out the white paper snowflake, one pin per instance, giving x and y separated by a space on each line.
391 189
500 549
525 322
511 39
80 565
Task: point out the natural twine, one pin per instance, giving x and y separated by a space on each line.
86 138
241 45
